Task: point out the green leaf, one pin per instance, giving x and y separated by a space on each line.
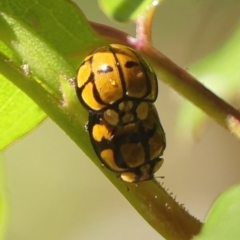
123 10
36 35
18 113
219 71
224 217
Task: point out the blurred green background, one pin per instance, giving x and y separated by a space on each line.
56 193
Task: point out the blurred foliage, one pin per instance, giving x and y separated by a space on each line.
125 11
223 219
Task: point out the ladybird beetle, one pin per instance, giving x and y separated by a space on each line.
132 151
116 82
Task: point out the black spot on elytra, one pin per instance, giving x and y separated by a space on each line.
130 64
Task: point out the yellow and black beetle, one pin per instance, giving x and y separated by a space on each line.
118 88
132 151
117 82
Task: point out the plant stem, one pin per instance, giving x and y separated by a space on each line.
181 81
188 86
154 204
163 212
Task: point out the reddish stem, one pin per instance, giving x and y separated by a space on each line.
179 79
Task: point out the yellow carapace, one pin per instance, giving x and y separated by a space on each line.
118 88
